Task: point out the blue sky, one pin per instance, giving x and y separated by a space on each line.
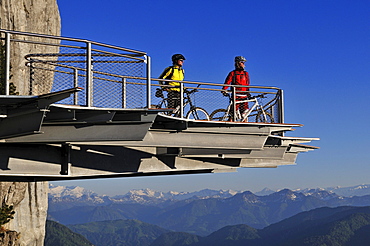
317 51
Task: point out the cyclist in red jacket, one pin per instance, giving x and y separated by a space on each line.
238 77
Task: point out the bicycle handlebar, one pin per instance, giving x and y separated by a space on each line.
260 95
191 91
248 96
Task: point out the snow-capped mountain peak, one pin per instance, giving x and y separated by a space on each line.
72 191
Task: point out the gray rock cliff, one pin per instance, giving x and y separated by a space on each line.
30 204
35 16
29 199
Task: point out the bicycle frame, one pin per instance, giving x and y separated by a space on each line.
186 100
244 117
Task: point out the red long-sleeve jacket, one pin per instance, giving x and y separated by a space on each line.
237 77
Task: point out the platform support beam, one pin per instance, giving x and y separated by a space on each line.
66 158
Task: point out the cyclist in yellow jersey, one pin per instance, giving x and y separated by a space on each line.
176 73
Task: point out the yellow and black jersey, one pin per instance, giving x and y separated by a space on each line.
173 73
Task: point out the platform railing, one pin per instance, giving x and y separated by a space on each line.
36 64
209 97
112 77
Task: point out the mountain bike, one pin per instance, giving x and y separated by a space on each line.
195 113
257 109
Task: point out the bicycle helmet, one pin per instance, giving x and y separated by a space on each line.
240 59
177 57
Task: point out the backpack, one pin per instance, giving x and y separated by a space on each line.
169 76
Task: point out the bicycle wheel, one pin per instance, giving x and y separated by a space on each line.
220 115
197 114
163 105
260 117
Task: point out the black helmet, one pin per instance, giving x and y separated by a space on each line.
240 59
177 57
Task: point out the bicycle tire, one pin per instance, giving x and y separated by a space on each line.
163 105
197 113
220 115
260 118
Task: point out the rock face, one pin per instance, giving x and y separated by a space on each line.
30 204
29 199
35 16
9 238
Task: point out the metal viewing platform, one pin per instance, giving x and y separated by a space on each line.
78 109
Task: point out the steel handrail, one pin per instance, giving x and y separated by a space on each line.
71 39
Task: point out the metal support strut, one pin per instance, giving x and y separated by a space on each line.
66 158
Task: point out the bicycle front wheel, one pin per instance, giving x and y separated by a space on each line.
197 114
220 115
163 105
261 117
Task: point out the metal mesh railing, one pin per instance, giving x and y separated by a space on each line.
114 77
208 97
108 74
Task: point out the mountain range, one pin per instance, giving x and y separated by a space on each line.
71 196
345 226
62 197
199 213
60 235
